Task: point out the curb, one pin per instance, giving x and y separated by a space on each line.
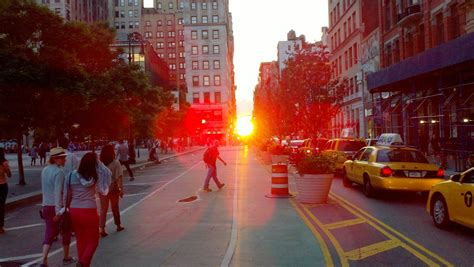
25 199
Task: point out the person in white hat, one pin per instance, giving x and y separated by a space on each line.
52 181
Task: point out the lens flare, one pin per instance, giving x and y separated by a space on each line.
244 126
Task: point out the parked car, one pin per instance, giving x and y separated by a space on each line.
453 200
343 148
312 147
295 146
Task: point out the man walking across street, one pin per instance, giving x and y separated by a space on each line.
210 157
123 158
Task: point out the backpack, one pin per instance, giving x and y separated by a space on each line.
206 157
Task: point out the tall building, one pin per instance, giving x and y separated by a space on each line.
345 34
425 85
286 49
125 17
79 10
209 52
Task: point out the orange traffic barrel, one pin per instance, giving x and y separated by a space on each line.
279 181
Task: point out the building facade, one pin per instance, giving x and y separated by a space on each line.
88 11
426 83
286 49
125 17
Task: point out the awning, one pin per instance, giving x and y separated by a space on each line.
455 52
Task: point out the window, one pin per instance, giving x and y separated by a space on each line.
217 80
350 57
172 55
130 25
217 97
194 35
160 45
193 20
160 34
130 13
356 59
172 66
399 155
117 14
207 97
194 50
205 65
170 5
215 34
366 154
206 81
159 23
169 22
215 19
161 55
122 2
147 23
195 80
196 98
159 5
181 21
468 178
216 49
181 43
181 54
181 5
122 25
205 34
181 76
349 24
205 49
135 13
137 25
135 2
181 33
217 64
214 5
204 5
122 14
346 60
193 6
182 66
204 19
171 34
195 65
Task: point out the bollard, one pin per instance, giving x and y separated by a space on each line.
279 182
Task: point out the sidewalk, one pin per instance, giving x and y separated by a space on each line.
20 195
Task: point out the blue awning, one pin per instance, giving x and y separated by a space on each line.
452 53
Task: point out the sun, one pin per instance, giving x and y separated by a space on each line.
244 126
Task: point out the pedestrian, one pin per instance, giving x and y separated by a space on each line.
170 144
211 155
4 173
152 156
42 153
84 183
52 180
124 158
107 156
435 147
33 155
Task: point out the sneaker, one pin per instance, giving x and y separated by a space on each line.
103 234
207 190
221 185
71 260
120 228
132 179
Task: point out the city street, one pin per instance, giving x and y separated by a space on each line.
239 226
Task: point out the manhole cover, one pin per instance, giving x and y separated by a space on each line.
188 199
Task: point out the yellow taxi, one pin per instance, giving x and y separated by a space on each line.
452 200
391 166
341 149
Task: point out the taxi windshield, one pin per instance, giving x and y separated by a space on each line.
399 155
351 145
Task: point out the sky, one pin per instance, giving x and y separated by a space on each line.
258 26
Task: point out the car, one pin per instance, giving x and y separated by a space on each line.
313 146
391 166
452 201
341 149
295 145
371 141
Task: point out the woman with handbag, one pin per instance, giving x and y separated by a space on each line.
107 156
52 180
83 186
4 173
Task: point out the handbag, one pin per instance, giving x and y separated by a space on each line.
66 221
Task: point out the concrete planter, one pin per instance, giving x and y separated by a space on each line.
314 188
280 159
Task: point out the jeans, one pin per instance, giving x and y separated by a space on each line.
211 173
85 223
3 199
127 165
113 198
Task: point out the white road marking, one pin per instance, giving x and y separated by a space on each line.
21 257
140 184
57 251
23 227
137 194
233 236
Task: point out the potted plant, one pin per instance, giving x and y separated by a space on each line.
315 178
278 154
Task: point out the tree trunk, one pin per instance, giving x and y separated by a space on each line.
21 172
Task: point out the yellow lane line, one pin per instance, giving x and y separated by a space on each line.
345 223
356 210
337 246
324 247
371 250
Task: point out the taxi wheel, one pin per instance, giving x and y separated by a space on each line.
369 191
440 212
345 180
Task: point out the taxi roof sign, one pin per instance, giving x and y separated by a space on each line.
390 139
